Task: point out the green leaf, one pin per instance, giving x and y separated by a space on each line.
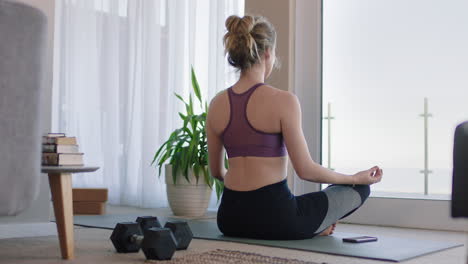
219 186
190 104
196 87
226 162
186 121
192 148
182 116
193 123
165 157
185 163
158 152
189 133
175 166
208 178
180 98
196 171
200 118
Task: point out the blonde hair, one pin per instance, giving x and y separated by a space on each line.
247 39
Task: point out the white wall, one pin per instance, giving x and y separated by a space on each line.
278 13
40 209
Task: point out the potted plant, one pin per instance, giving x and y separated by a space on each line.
187 153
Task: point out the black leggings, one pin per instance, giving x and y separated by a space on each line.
273 212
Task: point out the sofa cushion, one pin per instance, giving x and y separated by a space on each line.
23 39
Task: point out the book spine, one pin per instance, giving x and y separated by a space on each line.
59 159
55 135
47 140
59 140
49 148
50 159
66 149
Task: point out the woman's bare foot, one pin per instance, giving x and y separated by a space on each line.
328 231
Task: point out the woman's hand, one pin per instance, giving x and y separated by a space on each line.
368 177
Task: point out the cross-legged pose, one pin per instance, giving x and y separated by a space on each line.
260 126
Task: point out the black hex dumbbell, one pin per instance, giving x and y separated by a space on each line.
147 222
182 233
181 230
156 242
131 229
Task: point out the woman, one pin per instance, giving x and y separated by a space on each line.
255 123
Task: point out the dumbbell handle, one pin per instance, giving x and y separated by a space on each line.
136 239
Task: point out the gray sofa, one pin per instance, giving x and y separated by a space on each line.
460 172
22 63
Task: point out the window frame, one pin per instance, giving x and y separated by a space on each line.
398 212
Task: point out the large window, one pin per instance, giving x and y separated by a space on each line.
395 85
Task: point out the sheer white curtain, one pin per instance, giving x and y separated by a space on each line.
117 66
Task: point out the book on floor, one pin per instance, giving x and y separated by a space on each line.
59 140
89 200
62 159
90 208
53 148
89 194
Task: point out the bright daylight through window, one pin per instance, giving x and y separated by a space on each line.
395 85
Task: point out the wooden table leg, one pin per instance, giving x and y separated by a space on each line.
61 189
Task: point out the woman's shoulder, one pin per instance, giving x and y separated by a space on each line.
282 97
222 93
278 96
220 98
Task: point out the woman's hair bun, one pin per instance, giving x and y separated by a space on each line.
246 40
238 25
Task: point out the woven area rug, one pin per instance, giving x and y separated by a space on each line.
227 256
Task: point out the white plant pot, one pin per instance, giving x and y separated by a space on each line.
187 198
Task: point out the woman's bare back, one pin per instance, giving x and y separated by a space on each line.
263 113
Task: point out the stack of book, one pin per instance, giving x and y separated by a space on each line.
60 150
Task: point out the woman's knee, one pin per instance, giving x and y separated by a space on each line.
363 190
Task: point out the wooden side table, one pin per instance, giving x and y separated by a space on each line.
60 182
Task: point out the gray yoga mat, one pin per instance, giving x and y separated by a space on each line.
386 248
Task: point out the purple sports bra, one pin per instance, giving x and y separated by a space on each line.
240 138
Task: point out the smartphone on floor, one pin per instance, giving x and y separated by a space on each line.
359 239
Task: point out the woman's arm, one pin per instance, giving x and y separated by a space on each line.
215 148
300 157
